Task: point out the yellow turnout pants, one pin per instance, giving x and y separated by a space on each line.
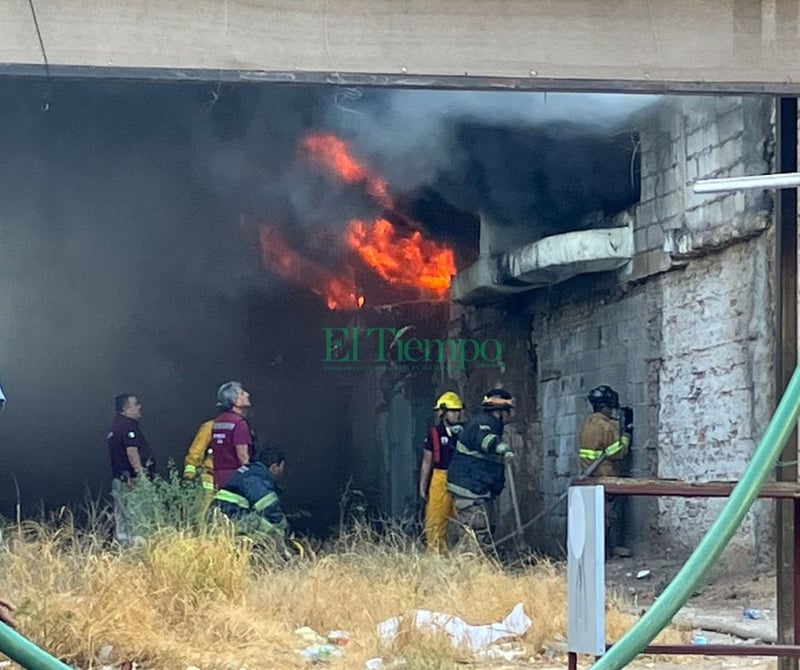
438 511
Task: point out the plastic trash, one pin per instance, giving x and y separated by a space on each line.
751 613
642 574
310 635
374 664
321 652
699 638
460 632
339 637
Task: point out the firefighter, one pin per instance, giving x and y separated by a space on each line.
232 440
476 475
200 460
603 435
437 452
250 499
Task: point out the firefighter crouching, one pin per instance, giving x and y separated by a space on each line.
604 435
476 475
250 499
437 452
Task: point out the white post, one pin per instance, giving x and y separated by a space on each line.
586 574
764 181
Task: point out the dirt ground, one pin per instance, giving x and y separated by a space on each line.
715 611
716 608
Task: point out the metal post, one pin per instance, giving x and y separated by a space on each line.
572 661
785 363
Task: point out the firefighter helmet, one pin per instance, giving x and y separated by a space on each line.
603 396
449 400
498 399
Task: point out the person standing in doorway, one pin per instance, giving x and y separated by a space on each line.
232 439
606 434
437 452
131 462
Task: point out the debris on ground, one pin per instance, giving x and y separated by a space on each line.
754 614
322 648
462 634
321 652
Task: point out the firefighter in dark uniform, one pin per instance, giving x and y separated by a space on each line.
604 435
250 499
437 452
476 475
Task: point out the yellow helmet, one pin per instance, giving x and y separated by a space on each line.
449 400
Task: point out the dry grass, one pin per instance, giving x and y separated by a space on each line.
206 600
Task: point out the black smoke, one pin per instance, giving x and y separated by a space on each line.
129 260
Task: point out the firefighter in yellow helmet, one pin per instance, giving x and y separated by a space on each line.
438 449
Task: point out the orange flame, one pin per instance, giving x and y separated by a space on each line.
339 291
408 260
403 258
335 156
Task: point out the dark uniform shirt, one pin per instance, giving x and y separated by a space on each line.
447 446
124 433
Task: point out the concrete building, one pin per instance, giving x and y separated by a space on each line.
682 328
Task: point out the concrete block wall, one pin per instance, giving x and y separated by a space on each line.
690 139
609 338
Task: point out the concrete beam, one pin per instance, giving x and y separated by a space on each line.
736 45
549 261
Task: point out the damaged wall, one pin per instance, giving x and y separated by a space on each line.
683 332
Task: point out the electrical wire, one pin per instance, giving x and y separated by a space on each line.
345 95
46 101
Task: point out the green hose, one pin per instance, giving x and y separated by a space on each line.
742 497
26 653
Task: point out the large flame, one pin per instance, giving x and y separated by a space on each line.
399 254
339 291
407 260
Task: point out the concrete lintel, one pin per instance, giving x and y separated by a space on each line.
548 261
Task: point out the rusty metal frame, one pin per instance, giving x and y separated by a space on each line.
787 538
788 492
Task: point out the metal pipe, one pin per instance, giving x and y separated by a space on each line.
762 181
715 540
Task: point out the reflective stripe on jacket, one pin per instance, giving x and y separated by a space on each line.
251 499
477 469
200 457
600 434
